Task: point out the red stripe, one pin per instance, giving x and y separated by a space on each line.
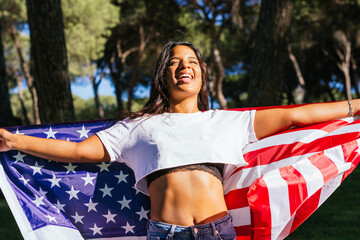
237 198
296 185
259 202
272 154
306 209
327 167
243 232
351 155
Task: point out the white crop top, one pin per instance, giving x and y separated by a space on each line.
170 140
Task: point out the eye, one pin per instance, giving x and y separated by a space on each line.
171 63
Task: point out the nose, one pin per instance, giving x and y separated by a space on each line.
184 64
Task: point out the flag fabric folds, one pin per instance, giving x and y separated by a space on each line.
288 176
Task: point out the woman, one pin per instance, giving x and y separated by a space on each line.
177 149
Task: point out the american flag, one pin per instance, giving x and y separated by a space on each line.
288 176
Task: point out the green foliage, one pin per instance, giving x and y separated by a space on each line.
87 24
16 105
85 109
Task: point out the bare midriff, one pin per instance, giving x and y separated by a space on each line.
187 198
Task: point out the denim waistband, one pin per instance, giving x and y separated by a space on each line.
191 230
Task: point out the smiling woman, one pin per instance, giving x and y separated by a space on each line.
184 79
178 148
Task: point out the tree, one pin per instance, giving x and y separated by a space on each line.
270 52
50 64
6 116
212 11
87 25
144 27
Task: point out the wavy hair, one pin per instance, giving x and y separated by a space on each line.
159 101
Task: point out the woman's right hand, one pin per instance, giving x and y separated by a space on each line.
5 142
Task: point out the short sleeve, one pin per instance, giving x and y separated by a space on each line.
112 139
252 135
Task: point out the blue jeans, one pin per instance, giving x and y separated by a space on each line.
219 229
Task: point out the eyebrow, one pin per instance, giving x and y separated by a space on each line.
187 57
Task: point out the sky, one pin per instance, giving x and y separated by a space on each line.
84 89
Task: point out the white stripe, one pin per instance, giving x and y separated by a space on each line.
57 233
279 201
303 136
241 216
247 176
15 207
329 188
286 229
345 129
313 176
336 154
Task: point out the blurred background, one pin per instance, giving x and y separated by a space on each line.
93 59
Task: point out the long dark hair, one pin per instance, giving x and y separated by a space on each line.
159 101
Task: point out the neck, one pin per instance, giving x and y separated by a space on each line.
184 106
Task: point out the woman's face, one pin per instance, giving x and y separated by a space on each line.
183 74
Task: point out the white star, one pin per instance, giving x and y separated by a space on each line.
51 218
137 191
96 229
70 168
73 193
19 157
50 133
59 206
54 181
24 179
38 201
20 133
91 205
42 192
103 166
110 217
83 132
37 169
106 190
78 218
88 179
124 203
143 214
128 228
122 177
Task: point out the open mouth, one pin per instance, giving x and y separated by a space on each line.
184 78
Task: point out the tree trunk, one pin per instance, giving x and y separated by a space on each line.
50 64
218 67
136 66
299 92
270 52
343 51
28 77
6 116
95 84
24 117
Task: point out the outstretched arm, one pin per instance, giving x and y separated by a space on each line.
89 150
271 121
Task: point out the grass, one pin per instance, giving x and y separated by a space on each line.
337 218
8 227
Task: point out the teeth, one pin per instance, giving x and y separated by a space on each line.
185 75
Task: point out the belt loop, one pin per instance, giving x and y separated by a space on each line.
215 232
170 235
